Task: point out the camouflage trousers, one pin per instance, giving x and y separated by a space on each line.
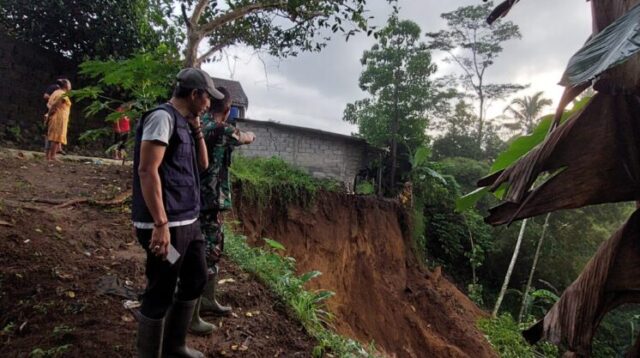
211 226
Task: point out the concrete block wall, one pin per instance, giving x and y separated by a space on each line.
322 154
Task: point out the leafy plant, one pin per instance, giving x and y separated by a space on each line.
15 132
610 47
62 330
136 84
278 272
504 335
365 188
517 149
274 182
51 352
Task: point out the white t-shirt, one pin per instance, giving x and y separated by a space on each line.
159 126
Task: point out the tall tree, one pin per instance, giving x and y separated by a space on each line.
396 75
525 111
81 30
279 27
473 46
459 136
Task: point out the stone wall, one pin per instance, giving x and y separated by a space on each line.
26 70
322 154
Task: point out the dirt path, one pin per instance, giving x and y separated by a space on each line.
53 259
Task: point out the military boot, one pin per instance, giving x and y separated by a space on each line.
209 303
149 342
199 326
175 332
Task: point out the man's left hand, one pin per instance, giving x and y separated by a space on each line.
194 122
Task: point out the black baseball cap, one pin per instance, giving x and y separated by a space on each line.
198 79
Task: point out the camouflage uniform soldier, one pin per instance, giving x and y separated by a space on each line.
215 196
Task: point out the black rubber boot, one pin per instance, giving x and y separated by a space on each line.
199 326
175 333
209 303
149 337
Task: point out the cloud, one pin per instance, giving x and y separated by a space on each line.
313 89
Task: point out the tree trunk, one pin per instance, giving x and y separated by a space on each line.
507 278
394 138
533 269
191 51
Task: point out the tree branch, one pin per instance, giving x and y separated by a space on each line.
186 18
208 54
238 13
198 11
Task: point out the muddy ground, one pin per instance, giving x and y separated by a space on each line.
54 256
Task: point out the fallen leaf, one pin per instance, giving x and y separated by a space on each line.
58 228
27 241
5 223
249 314
126 318
234 314
226 280
234 347
71 294
129 304
38 230
63 275
243 348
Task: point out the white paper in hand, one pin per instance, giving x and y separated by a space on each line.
173 255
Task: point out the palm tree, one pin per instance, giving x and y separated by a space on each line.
526 110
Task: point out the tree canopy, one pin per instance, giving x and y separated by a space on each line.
279 27
396 75
473 45
80 30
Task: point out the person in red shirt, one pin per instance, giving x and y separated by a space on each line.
121 129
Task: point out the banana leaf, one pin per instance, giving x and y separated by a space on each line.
610 47
516 150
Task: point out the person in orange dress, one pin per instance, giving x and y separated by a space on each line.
58 118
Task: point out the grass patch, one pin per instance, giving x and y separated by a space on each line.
272 180
278 272
504 335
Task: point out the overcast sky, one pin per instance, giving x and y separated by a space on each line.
312 90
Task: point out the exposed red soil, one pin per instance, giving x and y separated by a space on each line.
52 259
362 247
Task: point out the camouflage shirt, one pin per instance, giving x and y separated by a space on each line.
215 185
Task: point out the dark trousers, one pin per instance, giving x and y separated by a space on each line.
162 276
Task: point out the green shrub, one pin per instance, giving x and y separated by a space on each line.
272 180
504 335
365 188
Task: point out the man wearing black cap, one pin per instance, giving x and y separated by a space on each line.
166 205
